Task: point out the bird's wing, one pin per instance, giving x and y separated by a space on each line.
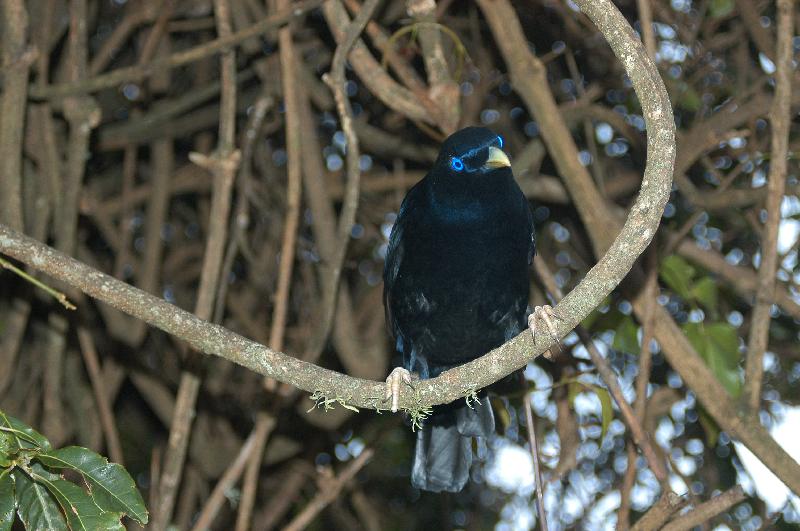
511 319
532 230
394 257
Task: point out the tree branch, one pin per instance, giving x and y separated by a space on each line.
780 119
706 511
598 282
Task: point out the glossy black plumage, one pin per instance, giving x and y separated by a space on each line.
456 286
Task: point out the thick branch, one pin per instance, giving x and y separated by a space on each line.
599 281
16 62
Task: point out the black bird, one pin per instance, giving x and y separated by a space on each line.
456 284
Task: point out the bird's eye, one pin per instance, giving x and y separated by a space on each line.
456 164
500 141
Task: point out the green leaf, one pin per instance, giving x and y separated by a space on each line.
36 507
726 341
677 274
501 413
8 448
24 435
82 512
606 409
111 487
7 503
688 97
710 427
718 343
704 291
720 8
573 389
625 336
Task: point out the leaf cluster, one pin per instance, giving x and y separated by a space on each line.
33 485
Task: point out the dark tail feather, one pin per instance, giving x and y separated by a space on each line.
442 459
476 421
443 455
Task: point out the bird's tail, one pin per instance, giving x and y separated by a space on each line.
443 454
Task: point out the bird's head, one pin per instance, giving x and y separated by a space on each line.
472 151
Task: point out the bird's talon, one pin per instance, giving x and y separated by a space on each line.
546 315
397 377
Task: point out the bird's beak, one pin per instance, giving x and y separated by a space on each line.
497 159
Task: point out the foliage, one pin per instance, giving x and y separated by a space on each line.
33 484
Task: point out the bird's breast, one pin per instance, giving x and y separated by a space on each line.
462 274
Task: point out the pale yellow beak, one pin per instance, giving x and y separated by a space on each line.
497 158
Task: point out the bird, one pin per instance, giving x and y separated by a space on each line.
456 285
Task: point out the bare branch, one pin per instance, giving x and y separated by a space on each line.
780 118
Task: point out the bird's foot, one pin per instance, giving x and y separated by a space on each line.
545 314
397 377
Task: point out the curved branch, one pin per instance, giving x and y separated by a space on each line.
375 78
516 353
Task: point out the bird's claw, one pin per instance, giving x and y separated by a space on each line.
397 377
546 315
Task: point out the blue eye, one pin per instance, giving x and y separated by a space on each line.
500 141
456 164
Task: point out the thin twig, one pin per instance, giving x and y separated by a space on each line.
638 434
229 478
296 477
83 115
14 325
706 511
336 81
649 292
240 221
375 78
134 16
646 23
537 470
289 60
57 295
129 164
175 454
156 32
53 380
155 475
107 421
400 65
628 481
263 426
667 505
444 90
329 493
